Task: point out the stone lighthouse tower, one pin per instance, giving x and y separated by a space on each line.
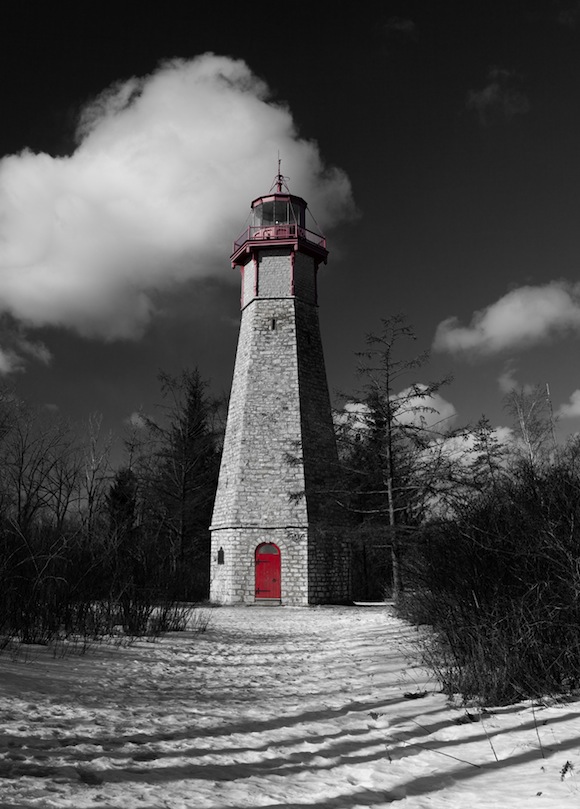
274 533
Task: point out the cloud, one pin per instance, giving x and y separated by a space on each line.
136 420
500 99
9 362
155 192
524 317
508 383
355 415
430 411
570 410
463 448
16 349
503 435
569 17
400 26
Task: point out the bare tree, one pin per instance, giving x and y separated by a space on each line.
40 470
391 462
531 411
96 473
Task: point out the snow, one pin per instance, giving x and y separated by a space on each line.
271 707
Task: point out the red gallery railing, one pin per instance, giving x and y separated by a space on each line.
274 232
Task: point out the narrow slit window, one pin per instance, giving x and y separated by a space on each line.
273 324
220 556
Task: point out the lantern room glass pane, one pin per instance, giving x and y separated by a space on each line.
296 213
278 212
264 214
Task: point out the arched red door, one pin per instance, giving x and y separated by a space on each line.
267 571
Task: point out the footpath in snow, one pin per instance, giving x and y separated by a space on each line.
271 707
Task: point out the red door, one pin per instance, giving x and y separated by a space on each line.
267 571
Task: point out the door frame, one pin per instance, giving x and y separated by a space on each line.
277 556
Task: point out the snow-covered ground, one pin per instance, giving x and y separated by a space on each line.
271 707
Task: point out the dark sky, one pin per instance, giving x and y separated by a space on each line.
457 124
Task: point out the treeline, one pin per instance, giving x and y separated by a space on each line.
85 548
474 535
499 582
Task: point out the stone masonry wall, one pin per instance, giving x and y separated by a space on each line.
274 273
273 276
263 430
234 581
328 560
328 565
305 278
249 283
279 457
317 429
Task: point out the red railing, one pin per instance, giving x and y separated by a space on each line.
275 232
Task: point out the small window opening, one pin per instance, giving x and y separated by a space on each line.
220 559
273 324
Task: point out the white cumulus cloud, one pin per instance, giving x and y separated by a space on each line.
508 382
571 409
430 411
523 317
16 349
500 99
158 187
462 449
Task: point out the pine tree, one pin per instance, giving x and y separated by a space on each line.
388 468
178 469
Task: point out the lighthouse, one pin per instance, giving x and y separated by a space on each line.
275 533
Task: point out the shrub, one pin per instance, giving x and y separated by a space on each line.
500 586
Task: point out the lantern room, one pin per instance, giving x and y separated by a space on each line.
279 218
279 210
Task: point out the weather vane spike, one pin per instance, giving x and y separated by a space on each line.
280 181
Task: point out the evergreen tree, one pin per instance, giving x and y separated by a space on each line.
178 468
122 502
390 465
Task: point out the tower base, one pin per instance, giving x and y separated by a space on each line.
314 566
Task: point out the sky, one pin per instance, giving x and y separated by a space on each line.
436 145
